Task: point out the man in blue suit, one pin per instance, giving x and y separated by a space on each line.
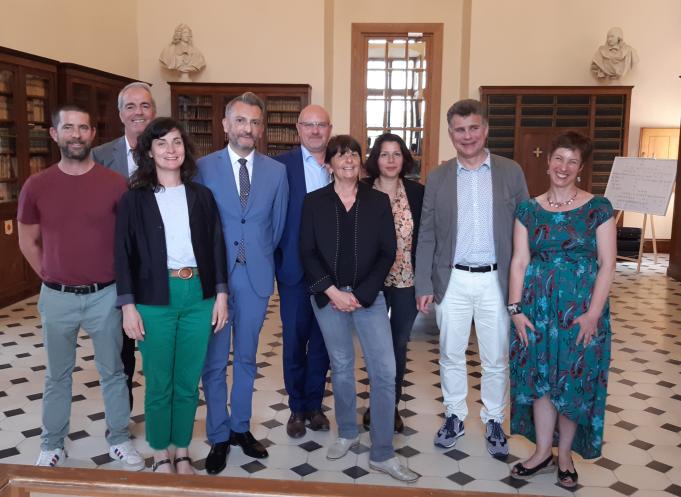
305 359
251 192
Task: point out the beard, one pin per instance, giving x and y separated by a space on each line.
75 154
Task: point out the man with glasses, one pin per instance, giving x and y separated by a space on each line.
251 192
305 359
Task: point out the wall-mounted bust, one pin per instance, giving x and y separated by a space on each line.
615 58
181 55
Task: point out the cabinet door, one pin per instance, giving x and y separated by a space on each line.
39 103
9 186
659 143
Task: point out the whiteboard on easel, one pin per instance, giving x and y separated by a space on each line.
641 185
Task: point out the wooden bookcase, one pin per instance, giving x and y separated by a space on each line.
524 119
97 92
201 107
28 94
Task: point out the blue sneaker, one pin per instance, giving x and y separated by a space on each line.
497 445
450 430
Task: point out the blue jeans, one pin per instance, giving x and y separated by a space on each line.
373 330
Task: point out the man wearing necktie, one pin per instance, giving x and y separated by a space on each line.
251 191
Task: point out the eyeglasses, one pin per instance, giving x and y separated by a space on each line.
347 155
314 124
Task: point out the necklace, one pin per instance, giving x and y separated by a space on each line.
556 205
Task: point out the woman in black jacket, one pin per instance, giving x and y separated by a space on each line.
387 165
347 246
171 278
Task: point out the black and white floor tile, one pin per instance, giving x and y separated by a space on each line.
641 455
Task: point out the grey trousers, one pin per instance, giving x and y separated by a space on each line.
373 329
63 314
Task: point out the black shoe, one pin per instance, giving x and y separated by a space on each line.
248 444
399 424
366 419
318 421
520 471
295 427
217 458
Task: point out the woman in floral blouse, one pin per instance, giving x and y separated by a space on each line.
387 165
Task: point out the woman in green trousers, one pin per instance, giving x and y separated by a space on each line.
171 277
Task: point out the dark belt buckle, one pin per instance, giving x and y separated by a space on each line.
185 273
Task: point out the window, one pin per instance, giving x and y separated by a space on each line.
396 76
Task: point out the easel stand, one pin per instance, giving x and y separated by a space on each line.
643 237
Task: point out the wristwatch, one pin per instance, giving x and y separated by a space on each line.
514 309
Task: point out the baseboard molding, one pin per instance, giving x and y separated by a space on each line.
663 246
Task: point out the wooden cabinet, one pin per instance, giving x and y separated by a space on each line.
524 119
97 92
28 94
201 107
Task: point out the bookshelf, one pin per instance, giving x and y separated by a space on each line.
201 106
97 92
28 94
524 119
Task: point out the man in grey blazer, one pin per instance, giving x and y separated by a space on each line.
462 264
136 108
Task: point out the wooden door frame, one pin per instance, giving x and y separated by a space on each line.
433 31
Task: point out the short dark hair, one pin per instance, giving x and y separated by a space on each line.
145 176
465 108
572 140
56 115
248 98
371 165
340 144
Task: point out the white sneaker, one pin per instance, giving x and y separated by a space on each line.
392 467
127 455
50 458
341 447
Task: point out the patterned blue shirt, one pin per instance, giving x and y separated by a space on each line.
474 229
316 175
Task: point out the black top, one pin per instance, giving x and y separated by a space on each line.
320 241
140 253
415 192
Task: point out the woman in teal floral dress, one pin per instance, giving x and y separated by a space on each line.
564 249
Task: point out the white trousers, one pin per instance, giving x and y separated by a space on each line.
478 297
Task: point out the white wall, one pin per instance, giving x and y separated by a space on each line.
96 34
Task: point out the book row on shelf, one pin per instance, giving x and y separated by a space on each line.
195 100
282 135
6 81
6 141
198 126
278 118
187 112
283 105
38 141
203 144
36 87
7 192
35 110
8 167
36 164
4 108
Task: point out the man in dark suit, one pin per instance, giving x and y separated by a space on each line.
305 359
251 191
136 109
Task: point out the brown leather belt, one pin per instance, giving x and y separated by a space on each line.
184 273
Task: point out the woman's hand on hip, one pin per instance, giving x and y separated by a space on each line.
220 312
587 328
522 323
132 322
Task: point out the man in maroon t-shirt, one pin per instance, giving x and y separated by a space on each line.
67 217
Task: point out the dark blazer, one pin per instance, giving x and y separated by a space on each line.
374 249
140 255
288 267
414 191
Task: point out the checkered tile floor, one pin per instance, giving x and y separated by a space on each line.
641 455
